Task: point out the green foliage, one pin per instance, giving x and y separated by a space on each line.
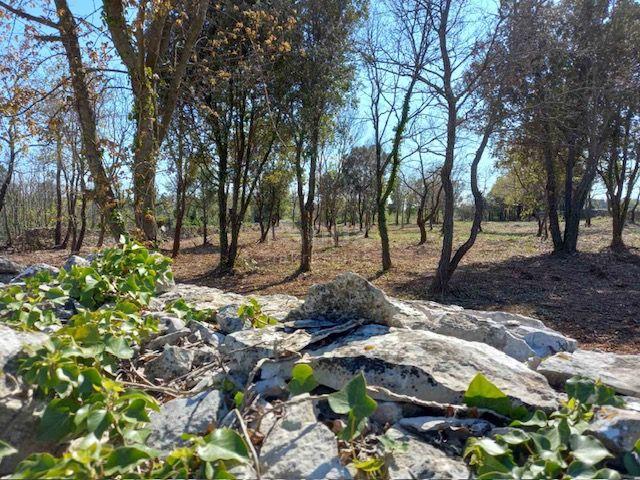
481 393
252 312
542 446
102 420
302 379
353 401
188 313
93 457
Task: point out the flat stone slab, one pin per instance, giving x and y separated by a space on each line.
421 460
620 372
616 428
195 415
426 365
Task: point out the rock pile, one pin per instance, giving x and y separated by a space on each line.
418 358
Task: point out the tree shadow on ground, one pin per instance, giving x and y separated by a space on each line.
593 297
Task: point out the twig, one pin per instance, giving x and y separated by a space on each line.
167 390
252 449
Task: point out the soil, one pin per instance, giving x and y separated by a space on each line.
593 296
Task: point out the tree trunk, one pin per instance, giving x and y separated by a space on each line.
103 193
57 236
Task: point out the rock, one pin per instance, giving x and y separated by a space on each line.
75 260
619 372
387 413
277 306
9 266
349 296
426 365
207 334
616 428
468 426
31 270
173 362
169 323
195 415
299 446
67 310
19 412
271 387
228 320
516 335
208 380
168 339
164 285
420 460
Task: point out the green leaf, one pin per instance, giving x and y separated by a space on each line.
122 459
223 444
119 347
302 379
514 437
57 419
6 449
537 419
238 398
369 465
481 393
631 462
588 450
490 446
353 397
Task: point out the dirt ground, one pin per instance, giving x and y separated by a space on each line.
593 296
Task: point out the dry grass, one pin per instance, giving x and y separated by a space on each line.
593 296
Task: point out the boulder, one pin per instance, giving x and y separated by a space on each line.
196 415
298 446
172 363
620 372
31 270
349 296
75 260
417 459
19 411
277 306
616 428
426 365
9 266
229 321
516 335
167 339
206 333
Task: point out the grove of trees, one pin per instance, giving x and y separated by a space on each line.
155 116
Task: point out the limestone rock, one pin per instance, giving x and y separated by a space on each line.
387 413
298 446
9 266
19 411
616 428
173 362
167 339
277 306
619 372
516 335
349 296
426 365
75 260
206 333
31 270
164 285
193 415
228 320
421 460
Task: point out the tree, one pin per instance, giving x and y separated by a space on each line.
155 47
66 32
392 86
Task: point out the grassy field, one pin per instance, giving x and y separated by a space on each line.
593 296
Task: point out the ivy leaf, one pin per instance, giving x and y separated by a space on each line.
537 419
122 459
223 444
588 450
302 379
118 347
57 419
353 398
482 393
490 446
370 465
6 450
514 437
